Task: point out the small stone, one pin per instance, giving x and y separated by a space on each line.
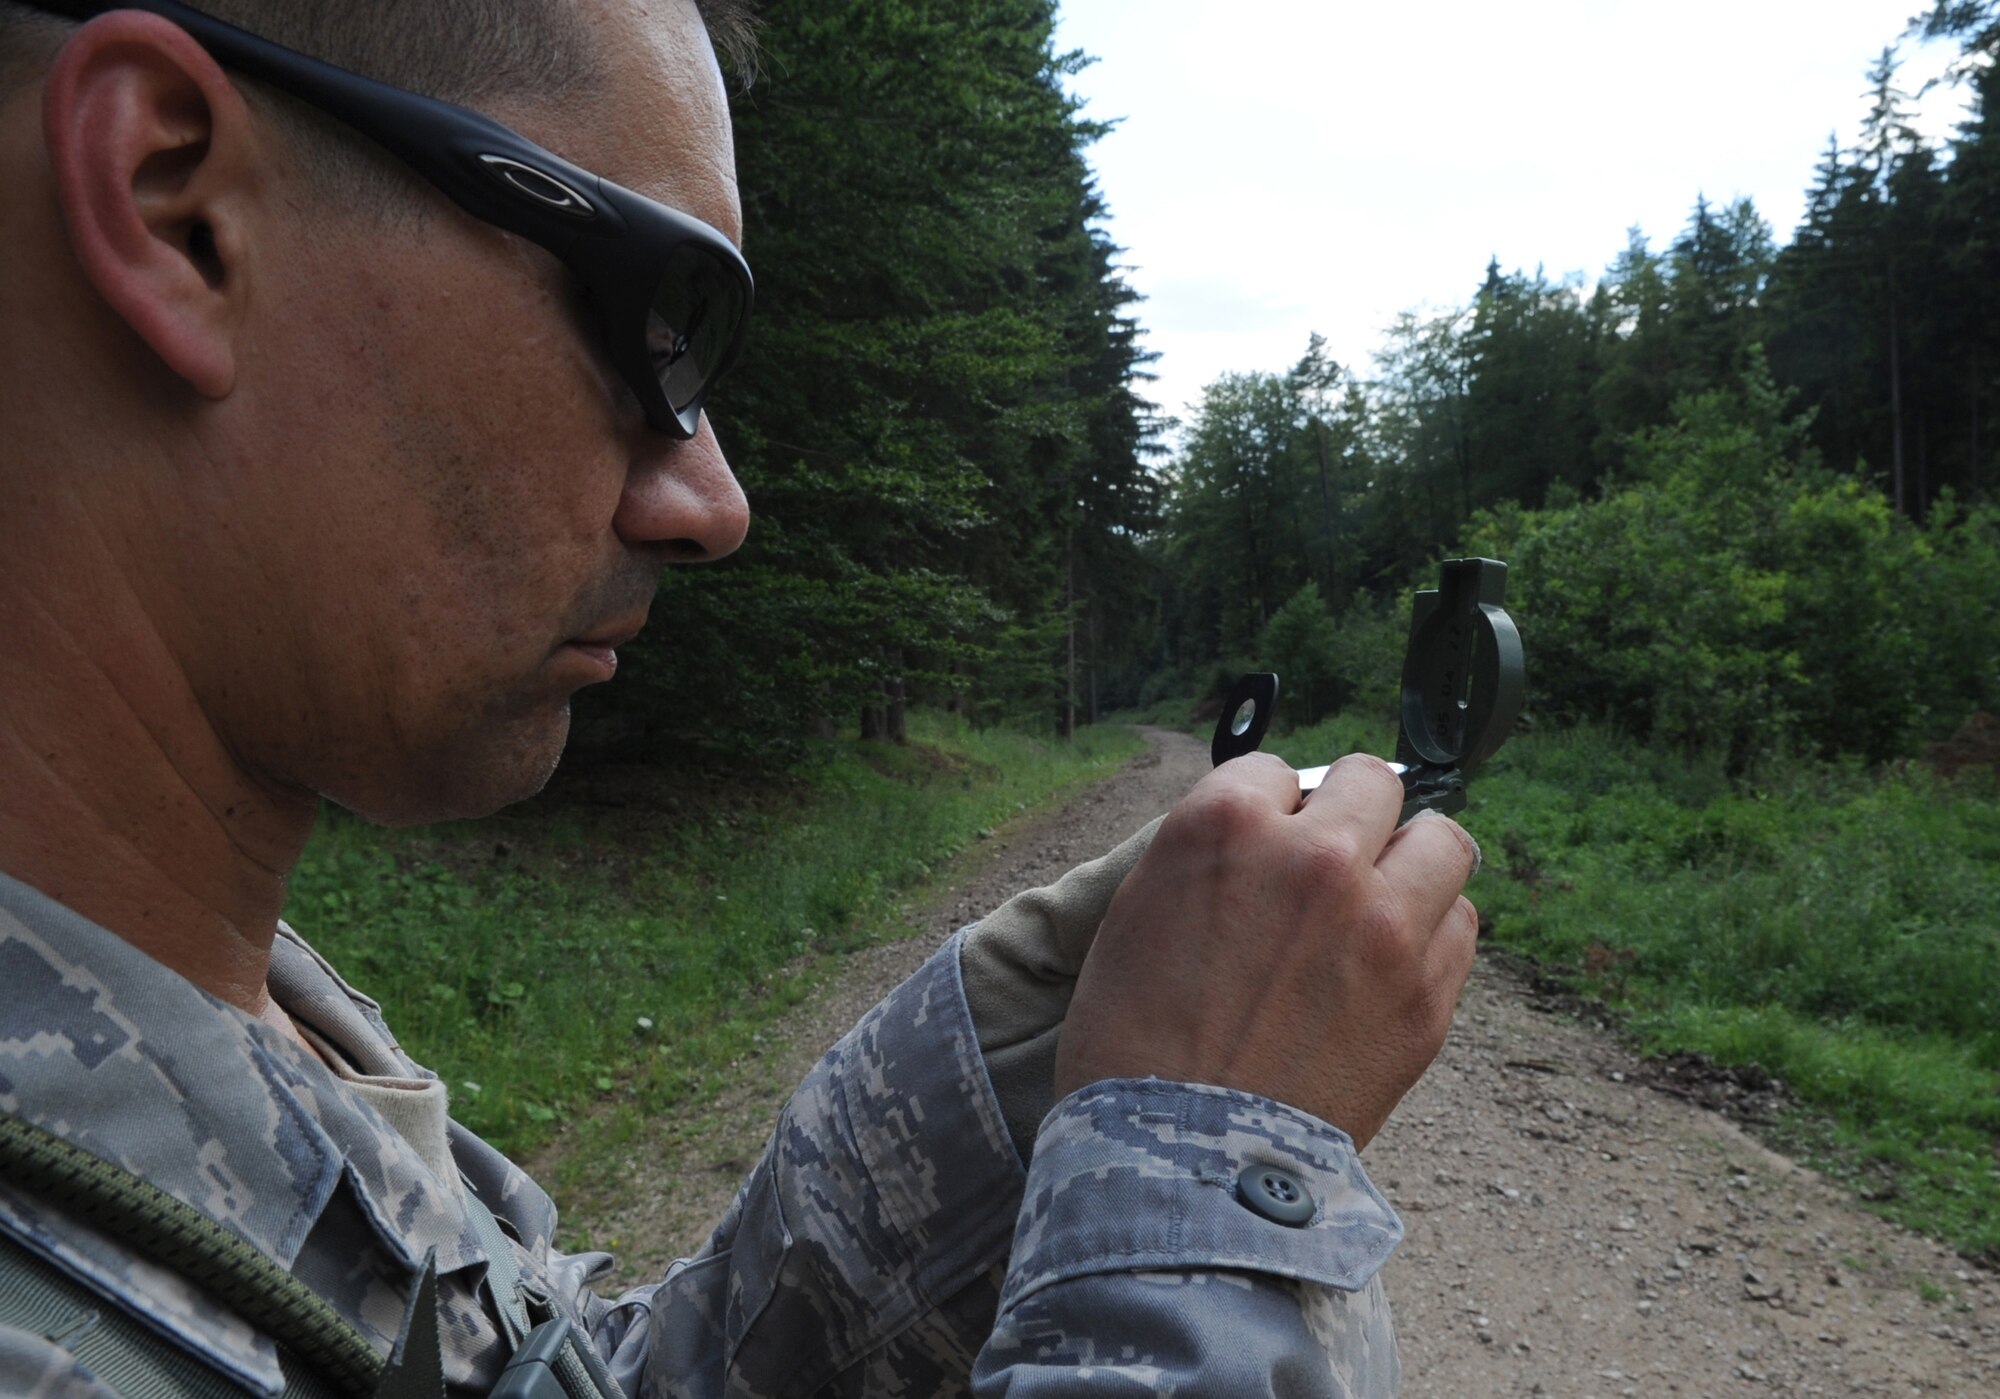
1645 1309
1617 1077
1625 1224
1485 1337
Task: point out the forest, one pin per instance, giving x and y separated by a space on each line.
1747 484
1716 466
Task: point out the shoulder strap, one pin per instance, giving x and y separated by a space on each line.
576 1365
125 1355
180 1238
323 1355
503 1274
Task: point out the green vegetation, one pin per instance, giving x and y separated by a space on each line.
1745 492
1795 437
566 953
1839 928
1732 595
935 418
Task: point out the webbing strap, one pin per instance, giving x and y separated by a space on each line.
578 1366
38 1297
503 1273
126 1356
185 1241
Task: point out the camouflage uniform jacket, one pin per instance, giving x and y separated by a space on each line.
890 1242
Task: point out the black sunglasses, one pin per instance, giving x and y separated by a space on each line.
671 294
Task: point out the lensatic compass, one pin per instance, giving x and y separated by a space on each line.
1462 682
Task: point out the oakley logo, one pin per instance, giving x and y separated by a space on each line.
539 186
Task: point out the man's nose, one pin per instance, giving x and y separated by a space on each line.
682 498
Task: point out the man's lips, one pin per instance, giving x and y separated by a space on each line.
601 646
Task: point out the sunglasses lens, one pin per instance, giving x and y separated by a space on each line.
692 322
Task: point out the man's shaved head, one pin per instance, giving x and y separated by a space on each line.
455 49
464 51
365 502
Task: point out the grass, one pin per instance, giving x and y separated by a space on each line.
1837 927
623 944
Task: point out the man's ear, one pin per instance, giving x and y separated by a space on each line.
151 148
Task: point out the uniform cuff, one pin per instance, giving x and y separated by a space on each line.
1147 1175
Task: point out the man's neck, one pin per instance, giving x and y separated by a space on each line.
119 799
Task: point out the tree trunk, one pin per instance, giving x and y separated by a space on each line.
896 713
896 720
1092 667
1896 408
1922 502
1972 373
1069 614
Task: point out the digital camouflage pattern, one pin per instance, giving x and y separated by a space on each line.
1132 1213
881 1246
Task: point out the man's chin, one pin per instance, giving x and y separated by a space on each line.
475 778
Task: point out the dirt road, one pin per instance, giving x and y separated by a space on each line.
1571 1231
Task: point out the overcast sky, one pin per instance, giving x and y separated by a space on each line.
1286 166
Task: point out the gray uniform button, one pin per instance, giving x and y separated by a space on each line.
1276 1194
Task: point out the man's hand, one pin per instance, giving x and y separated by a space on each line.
1312 954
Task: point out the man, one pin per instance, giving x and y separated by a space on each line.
332 471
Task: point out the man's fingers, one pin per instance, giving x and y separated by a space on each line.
1448 959
1262 779
1357 805
1427 863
